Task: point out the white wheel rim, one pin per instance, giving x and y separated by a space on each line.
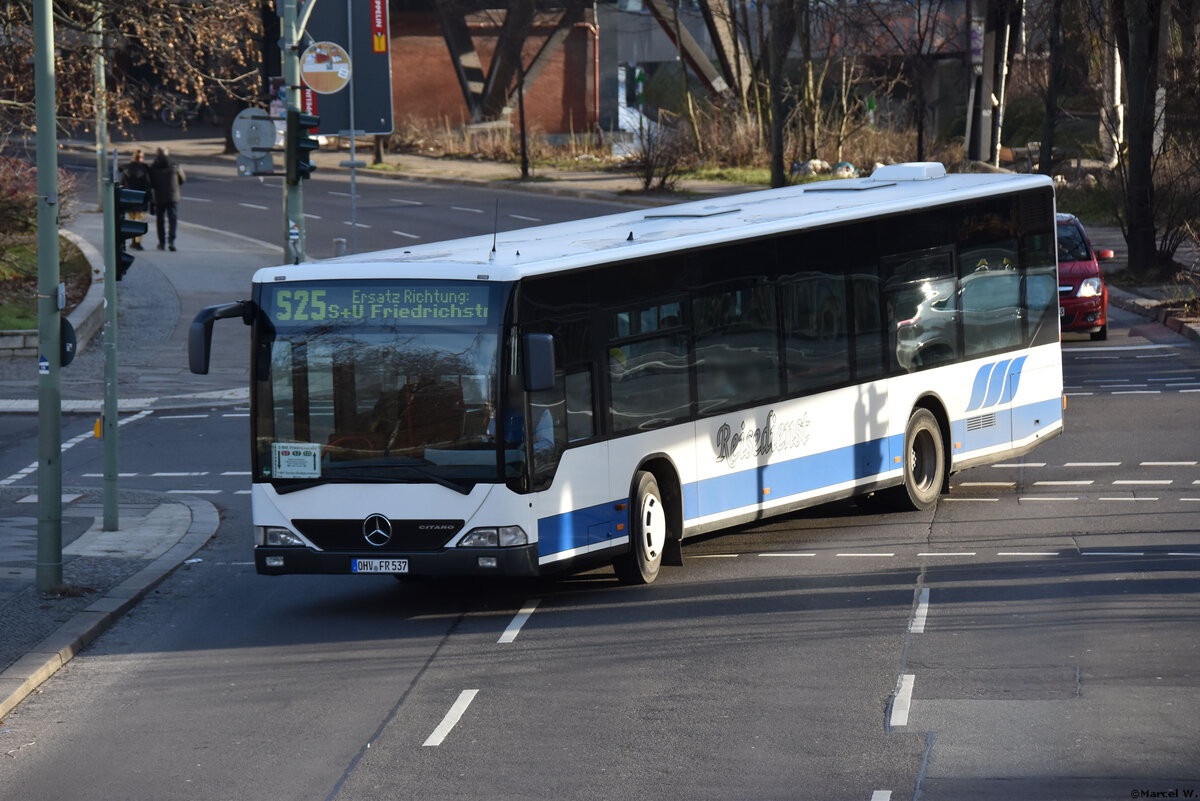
654 528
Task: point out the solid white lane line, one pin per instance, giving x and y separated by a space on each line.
1027 553
917 624
988 484
518 621
1154 482
452 717
183 417
1168 464
255 206
1072 483
404 233
947 553
1091 464
903 702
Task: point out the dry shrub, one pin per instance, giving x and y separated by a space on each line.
19 208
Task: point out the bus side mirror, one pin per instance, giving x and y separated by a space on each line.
539 362
200 334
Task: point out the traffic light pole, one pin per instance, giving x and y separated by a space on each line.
108 418
49 569
294 248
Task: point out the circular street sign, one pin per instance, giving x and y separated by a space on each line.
325 68
252 129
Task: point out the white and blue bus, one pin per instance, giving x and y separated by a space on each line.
596 391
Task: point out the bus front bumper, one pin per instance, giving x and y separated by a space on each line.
518 561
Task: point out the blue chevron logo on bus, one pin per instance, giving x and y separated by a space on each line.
991 382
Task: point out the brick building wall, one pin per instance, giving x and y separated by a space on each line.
425 87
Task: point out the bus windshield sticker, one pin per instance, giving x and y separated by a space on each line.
392 304
295 460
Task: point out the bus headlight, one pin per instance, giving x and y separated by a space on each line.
502 537
1089 288
278 537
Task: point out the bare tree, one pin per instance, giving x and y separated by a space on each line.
157 50
918 33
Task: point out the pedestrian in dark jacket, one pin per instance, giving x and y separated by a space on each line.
136 175
166 177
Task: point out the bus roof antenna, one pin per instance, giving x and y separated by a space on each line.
495 229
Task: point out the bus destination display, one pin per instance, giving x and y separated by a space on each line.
356 303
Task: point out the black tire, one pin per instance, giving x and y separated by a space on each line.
647 533
1101 335
924 462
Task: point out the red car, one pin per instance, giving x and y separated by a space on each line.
1082 295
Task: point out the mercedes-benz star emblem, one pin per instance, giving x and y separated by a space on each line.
377 530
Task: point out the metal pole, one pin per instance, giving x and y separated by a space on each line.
293 201
108 424
100 87
49 572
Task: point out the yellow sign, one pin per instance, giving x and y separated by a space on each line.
325 68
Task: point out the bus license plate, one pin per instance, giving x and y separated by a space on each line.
379 566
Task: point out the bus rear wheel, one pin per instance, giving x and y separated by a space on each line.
924 461
647 534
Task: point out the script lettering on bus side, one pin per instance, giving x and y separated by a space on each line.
346 305
776 436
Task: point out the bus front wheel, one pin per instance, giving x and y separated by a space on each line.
924 460
647 534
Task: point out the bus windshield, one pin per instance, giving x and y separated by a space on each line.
380 380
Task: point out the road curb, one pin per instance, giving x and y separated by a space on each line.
1150 308
24 676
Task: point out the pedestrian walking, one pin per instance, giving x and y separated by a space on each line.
136 175
166 176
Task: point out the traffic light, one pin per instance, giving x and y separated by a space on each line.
125 201
299 145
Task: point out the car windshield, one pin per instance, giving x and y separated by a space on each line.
389 381
1071 244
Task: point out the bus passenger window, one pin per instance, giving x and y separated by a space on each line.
816 339
649 383
737 348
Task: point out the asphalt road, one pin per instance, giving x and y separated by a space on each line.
1032 637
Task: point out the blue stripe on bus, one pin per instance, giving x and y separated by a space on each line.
575 529
792 477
